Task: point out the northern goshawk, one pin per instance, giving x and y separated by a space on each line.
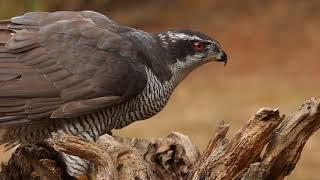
84 74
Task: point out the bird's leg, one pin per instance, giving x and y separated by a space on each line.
75 166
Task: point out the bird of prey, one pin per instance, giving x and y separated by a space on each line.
84 74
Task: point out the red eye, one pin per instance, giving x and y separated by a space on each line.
198 46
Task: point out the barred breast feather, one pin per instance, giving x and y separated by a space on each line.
76 72
146 104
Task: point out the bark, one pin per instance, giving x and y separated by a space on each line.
228 158
268 146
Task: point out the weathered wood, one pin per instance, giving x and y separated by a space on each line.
34 161
284 150
101 155
170 158
121 158
230 158
268 146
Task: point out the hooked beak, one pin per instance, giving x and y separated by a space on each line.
221 57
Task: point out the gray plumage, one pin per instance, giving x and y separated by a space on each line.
84 74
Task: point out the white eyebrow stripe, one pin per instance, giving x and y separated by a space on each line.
174 35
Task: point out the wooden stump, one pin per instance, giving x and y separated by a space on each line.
268 146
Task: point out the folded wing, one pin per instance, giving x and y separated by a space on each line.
64 64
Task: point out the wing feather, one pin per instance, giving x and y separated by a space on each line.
64 64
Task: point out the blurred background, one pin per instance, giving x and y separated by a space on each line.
273 48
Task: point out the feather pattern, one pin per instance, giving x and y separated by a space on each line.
82 73
76 72
92 125
71 58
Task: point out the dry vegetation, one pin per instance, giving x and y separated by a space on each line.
273 48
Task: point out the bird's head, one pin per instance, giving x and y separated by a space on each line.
188 50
